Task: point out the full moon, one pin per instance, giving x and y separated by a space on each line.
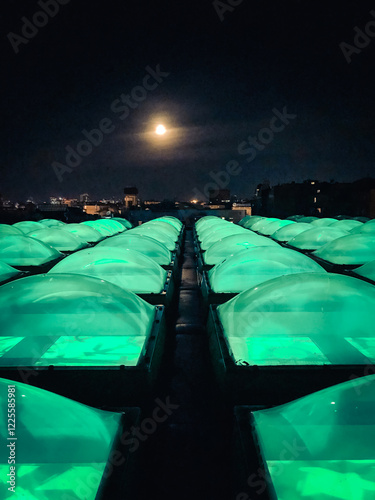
160 130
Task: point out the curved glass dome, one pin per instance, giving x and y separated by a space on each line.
252 266
128 269
249 224
7 272
6 230
141 243
202 232
22 251
71 320
316 238
244 220
325 221
271 227
177 224
84 232
124 222
220 233
113 224
322 443
355 249
307 219
367 270
106 227
232 244
261 223
205 220
366 228
286 233
164 226
209 225
60 444
295 218
346 224
157 234
59 239
26 226
302 319
52 222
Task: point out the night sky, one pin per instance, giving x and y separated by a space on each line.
221 82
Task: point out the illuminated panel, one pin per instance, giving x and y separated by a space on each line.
7 272
220 233
59 239
62 446
232 244
286 233
355 249
316 238
172 221
321 446
6 230
367 270
261 223
243 221
164 226
52 223
255 265
366 228
28 225
141 243
271 227
125 268
205 220
307 219
124 222
104 229
86 233
325 221
307 318
347 224
208 225
22 251
249 224
214 226
157 234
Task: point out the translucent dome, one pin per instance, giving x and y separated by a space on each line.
73 320
28 225
316 238
261 223
244 220
366 228
232 244
286 233
84 232
325 221
249 224
104 230
6 230
302 319
346 224
307 219
164 226
177 224
128 269
207 229
60 444
220 233
322 443
206 220
124 222
252 266
7 272
271 227
22 251
209 225
355 249
52 223
141 243
157 234
296 218
367 270
57 238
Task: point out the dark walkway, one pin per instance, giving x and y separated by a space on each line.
188 456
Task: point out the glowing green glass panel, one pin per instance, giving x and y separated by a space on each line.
216 225
175 223
125 268
208 225
261 223
22 251
286 233
252 266
124 222
205 220
307 219
271 227
367 270
59 239
52 223
6 230
256 218
219 234
165 227
28 225
244 220
7 272
316 238
157 233
62 446
347 224
355 249
325 221
141 243
366 228
7 343
232 244
86 233
326 309
104 229
321 446
112 223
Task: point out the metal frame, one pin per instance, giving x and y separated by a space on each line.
165 297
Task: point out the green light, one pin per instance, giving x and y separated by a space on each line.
286 233
128 269
166 227
256 218
7 343
355 249
172 221
52 223
307 219
367 270
231 245
366 228
7 272
124 222
347 224
141 243
6 230
271 227
59 239
86 233
316 237
208 225
22 251
243 221
261 223
28 225
325 221
157 233
218 234
253 266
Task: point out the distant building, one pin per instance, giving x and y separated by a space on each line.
131 197
84 198
219 198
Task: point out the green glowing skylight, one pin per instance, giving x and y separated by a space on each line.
214 226
252 266
124 222
347 224
28 225
316 238
86 233
366 228
62 446
232 244
208 224
367 270
244 220
220 233
175 223
22 251
286 233
62 316
164 226
308 318
141 243
307 219
271 227
157 234
355 249
325 221
112 223
321 446
6 230
261 223
59 239
125 268
256 218
7 272
52 223
104 229
205 220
